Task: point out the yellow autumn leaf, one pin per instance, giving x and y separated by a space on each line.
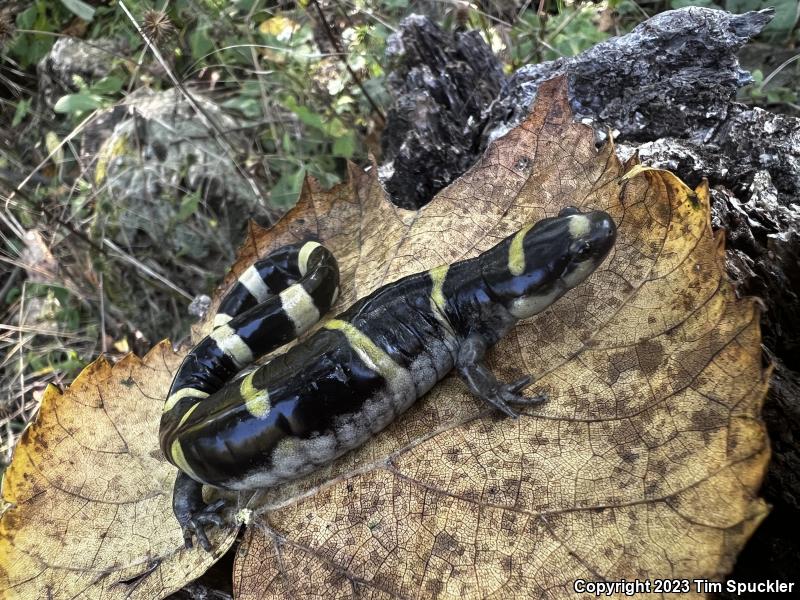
88 494
645 462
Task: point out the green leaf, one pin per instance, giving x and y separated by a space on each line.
345 145
31 48
107 85
27 18
249 107
323 175
244 5
79 8
287 188
13 294
305 115
188 207
331 127
200 42
395 4
287 143
76 103
22 109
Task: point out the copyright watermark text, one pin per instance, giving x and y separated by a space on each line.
679 586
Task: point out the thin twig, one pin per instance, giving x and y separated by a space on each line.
140 62
19 341
117 253
10 281
190 70
53 332
11 222
78 128
343 57
561 26
46 210
262 89
522 10
102 292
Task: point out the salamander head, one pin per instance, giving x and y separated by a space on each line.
530 270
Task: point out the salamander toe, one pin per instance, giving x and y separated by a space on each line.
197 522
192 513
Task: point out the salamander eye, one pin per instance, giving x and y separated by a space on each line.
581 250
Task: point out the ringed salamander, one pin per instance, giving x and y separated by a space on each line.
361 369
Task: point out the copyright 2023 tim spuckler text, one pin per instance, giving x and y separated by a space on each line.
632 587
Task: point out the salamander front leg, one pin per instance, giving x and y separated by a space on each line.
483 384
192 512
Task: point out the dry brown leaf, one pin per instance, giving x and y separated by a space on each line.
645 463
89 493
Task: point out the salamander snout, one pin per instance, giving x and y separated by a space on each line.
592 235
602 233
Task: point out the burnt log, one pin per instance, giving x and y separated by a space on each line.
442 84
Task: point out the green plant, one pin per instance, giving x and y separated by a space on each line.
35 28
761 92
100 94
572 29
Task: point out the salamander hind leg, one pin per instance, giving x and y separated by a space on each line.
483 384
192 512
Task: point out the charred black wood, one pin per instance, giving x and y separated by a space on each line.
442 84
674 75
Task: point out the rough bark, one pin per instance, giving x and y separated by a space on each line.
674 74
763 238
441 84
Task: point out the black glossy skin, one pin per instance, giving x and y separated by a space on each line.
263 326
314 383
326 398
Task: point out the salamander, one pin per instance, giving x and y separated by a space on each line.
353 376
